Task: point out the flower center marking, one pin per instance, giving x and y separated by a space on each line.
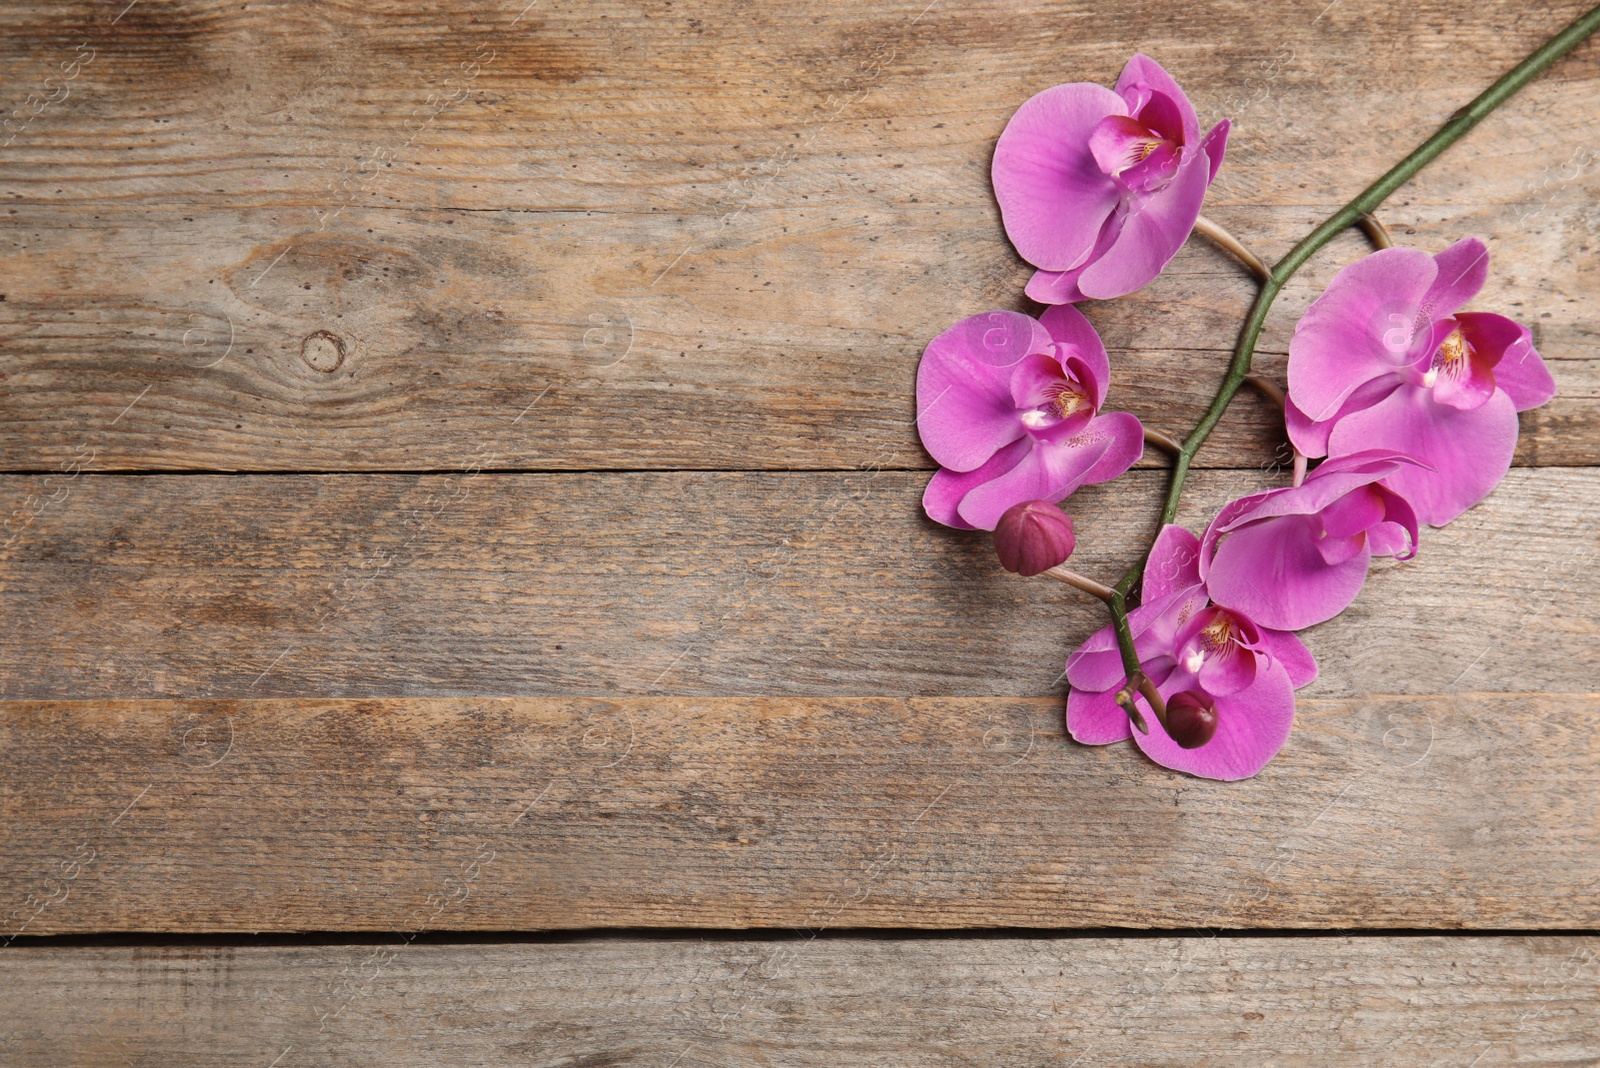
1217 634
1451 358
1069 400
1146 146
1215 637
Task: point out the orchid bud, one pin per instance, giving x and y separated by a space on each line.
1032 537
1191 719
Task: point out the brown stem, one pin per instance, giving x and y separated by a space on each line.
1143 686
1376 232
1162 440
1124 700
1221 238
1087 585
1153 695
1270 389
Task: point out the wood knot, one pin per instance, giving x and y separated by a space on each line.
323 351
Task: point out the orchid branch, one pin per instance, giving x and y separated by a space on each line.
1356 212
1269 389
1376 232
1209 229
1082 582
1162 440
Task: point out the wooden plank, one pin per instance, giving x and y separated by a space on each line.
431 336
714 273
686 583
698 107
1460 810
1089 1002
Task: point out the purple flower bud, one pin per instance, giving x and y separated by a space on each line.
1191 718
1032 537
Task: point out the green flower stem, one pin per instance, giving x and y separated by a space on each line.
1351 214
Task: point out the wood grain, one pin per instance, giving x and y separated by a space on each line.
663 107
1462 810
696 660
277 237
707 584
1294 1002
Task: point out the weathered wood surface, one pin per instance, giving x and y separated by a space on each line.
1442 773
1460 810
696 583
1094 1003
366 236
577 238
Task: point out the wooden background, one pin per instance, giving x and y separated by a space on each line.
466 599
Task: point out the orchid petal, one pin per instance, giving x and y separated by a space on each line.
1272 572
1224 520
1061 287
1161 115
1287 649
1097 663
1229 671
1053 196
1336 550
1035 381
1131 152
1328 484
1218 669
1068 327
946 490
1463 268
1095 718
1518 367
964 407
1055 287
1365 326
1252 725
1142 72
1046 473
1390 539
1123 435
1173 563
1310 436
1156 226
1398 536
1463 378
1467 453
1160 637
1353 513
1214 145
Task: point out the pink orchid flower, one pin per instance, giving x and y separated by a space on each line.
1100 188
1009 407
1214 657
1383 360
1292 557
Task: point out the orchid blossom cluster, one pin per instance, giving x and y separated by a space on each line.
1402 409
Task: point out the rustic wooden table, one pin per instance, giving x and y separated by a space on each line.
466 599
